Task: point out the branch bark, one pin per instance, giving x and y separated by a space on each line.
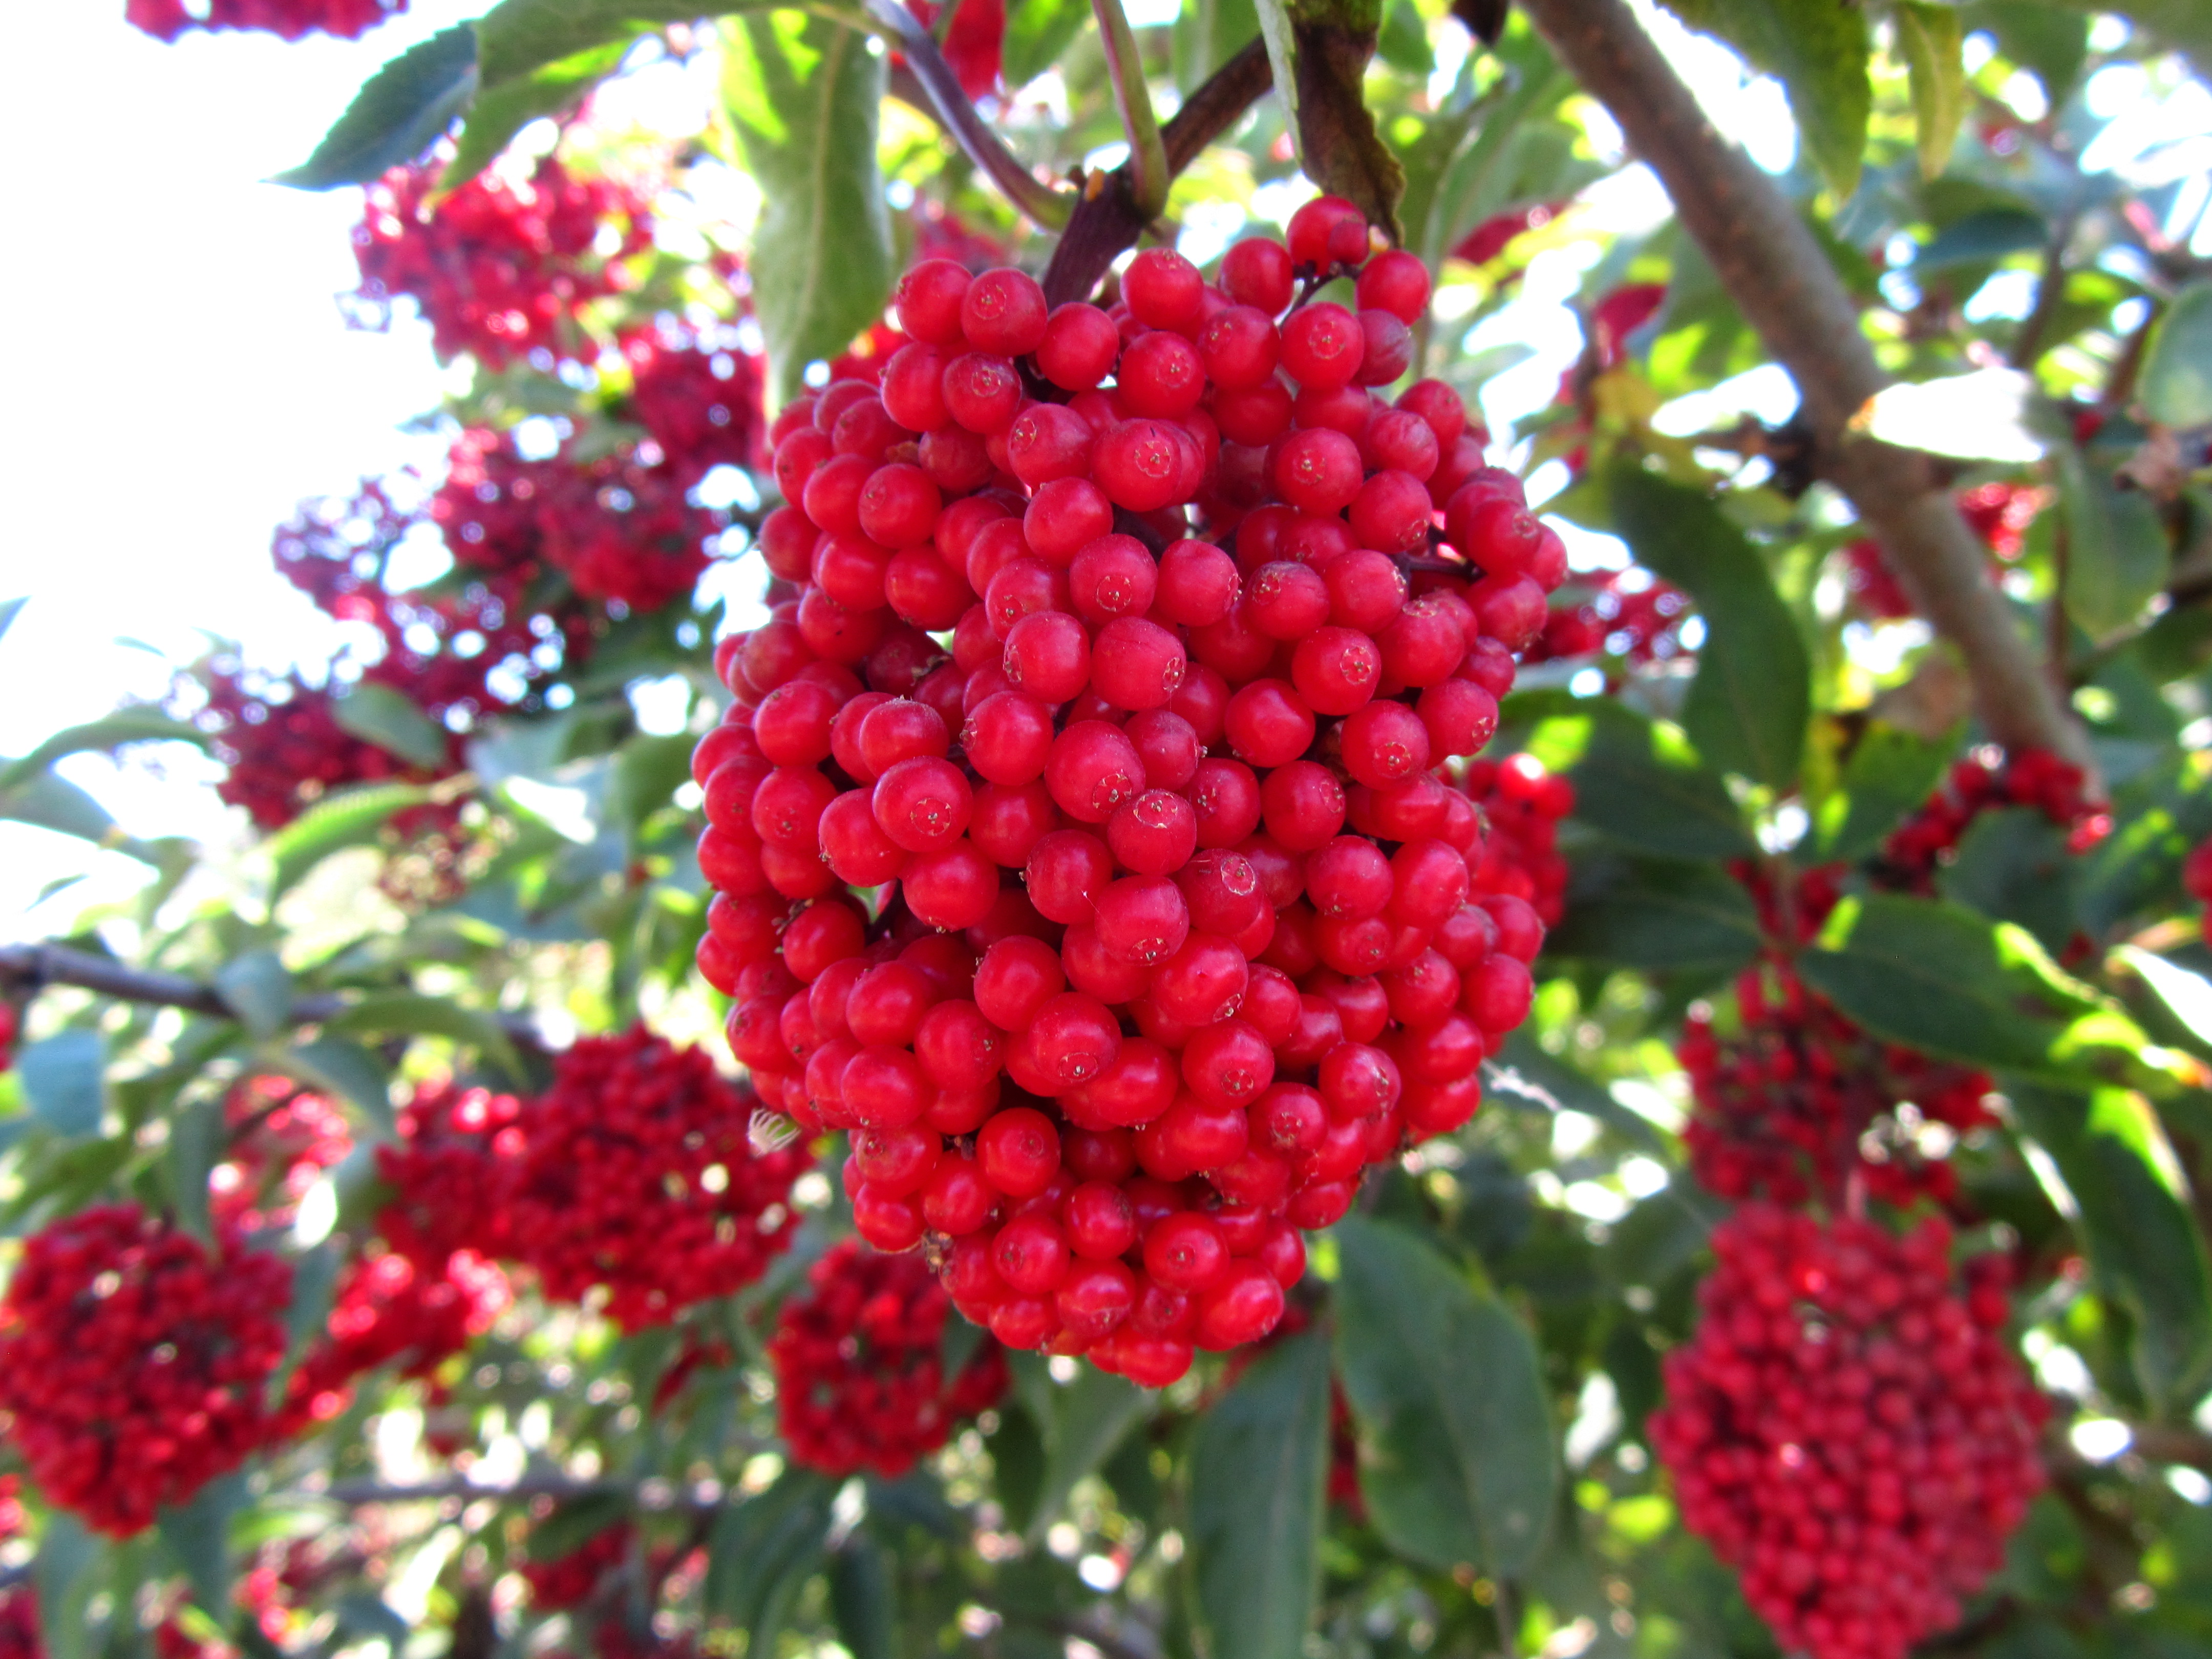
1776 274
1110 217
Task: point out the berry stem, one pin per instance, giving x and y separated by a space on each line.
1042 205
1125 65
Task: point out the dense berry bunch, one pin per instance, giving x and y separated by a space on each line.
388 1308
636 1175
1848 1428
1522 806
1175 928
1986 782
1629 614
449 1173
2196 881
558 1582
167 19
701 400
132 1362
500 267
281 747
1799 1104
282 1137
858 1357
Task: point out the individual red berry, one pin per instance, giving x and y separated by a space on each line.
1257 272
1079 347
1004 313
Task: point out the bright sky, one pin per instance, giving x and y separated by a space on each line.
184 377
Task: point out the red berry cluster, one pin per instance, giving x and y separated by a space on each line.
1999 514
1629 614
11 1027
635 1174
1179 937
348 20
568 1580
388 1308
500 267
1848 1429
281 746
1800 1104
2196 881
282 1137
1522 805
1986 782
974 42
132 1362
446 1173
700 399
860 1380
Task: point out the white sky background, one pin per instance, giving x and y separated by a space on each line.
181 377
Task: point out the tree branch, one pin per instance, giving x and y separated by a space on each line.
1776 274
1047 208
1110 217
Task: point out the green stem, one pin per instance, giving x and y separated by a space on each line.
1125 66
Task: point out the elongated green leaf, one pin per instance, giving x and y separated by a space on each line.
2121 1174
864 1598
1891 773
2116 553
1039 32
1934 44
1525 1072
402 110
377 713
68 1574
2013 865
1083 1421
308 1313
1654 914
761 1551
1634 786
2176 387
2045 39
197 1141
353 817
388 1011
1747 707
1457 1465
516 38
55 803
1319 51
802 94
1819 51
197 1533
64 1079
258 991
348 1069
102 736
1258 1473
1984 235
503 108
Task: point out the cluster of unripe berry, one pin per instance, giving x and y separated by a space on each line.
860 1381
1848 1429
1798 1104
500 266
1171 932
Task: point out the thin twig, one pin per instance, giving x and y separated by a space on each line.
1772 268
1125 68
1044 206
2049 289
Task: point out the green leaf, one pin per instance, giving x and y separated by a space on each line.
379 714
67 1574
197 1533
259 990
1040 31
2116 553
2176 387
1457 1465
864 1598
2041 38
1083 1422
307 1312
1985 234
762 1551
402 110
503 109
1259 1469
1747 707
346 1068
102 736
517 38
1658 913
802 94
64 1079
2120 1176
1319 51
1934 43
2014 865
1891 773
1818 50
1526 1071
1950 983
648 771
383 1013
54 803
1635 785
353 817
197 1144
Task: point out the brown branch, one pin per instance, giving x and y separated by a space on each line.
2049 290
1775 272
1110 219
